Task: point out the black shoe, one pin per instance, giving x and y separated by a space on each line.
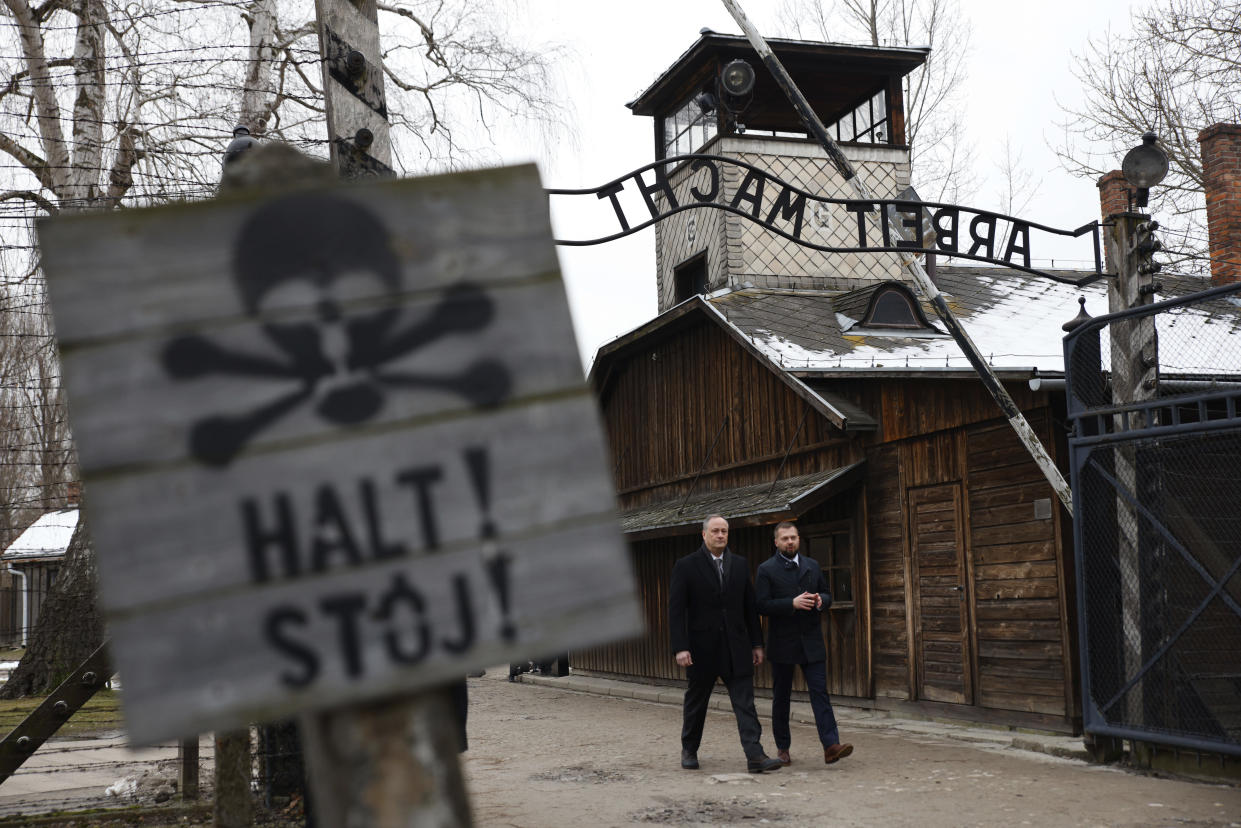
689 760
763 764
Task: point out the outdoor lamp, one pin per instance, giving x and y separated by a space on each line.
1145 166
737 79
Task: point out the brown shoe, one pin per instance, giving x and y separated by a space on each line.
836 752
783 756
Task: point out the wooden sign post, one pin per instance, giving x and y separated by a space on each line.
338 447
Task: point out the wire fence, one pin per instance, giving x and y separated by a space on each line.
87 771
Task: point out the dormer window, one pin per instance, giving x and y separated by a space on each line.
888 309
892 308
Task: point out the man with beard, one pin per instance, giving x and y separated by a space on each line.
793 594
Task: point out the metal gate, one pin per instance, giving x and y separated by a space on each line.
1157 520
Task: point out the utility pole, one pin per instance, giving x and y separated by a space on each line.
845 167
1135 378
390 763
353 88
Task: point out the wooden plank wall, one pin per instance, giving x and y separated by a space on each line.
665 408
648 656
886 530
1021 614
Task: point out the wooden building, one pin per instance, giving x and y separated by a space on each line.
778 382
32 563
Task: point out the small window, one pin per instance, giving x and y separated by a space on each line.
690 278
839 565
690 127
834 552
867 123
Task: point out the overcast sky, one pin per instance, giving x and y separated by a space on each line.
1018 67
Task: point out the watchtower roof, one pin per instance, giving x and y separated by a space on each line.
834 76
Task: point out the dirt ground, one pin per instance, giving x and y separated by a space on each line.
542 756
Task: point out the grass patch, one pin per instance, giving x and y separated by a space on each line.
102 712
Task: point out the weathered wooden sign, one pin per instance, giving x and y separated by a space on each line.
335 444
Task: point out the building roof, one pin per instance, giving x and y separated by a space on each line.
754 505
835 76
46 538
1014 319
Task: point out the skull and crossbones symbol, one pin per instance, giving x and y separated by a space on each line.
338 360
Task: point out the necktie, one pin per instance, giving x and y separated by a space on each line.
789 564
719 565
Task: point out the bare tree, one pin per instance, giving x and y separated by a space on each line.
1017 185
933 117
1176 71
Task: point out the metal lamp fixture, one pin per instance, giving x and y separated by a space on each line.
1145 166
738 78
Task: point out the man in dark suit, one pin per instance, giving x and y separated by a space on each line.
793 594
716 634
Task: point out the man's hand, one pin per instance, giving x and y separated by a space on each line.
818 601
805 601
684 659
758 656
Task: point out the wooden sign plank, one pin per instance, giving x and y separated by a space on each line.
336 444
443 376
335 506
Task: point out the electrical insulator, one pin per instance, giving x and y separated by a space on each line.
1145 247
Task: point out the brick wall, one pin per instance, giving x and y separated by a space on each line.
1221 167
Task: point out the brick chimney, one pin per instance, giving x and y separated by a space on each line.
1221 179
1114 198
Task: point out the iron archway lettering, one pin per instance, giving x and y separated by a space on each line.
939 228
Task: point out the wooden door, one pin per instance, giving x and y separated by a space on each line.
943 654
833 546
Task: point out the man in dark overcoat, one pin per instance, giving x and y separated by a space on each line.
793 594
716 634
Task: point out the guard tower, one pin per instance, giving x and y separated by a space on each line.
857 93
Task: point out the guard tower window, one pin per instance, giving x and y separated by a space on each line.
690 277
892 308
867 123
689 127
